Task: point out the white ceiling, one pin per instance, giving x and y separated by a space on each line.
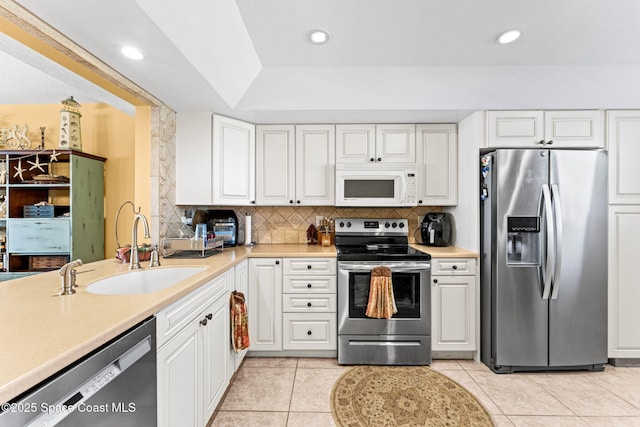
387 60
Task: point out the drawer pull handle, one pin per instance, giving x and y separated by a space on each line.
203 322
277 262
308 332
455 267
308 267
308 304
209 316
435 280
309 285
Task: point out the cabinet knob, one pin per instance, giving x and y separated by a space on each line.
550 142
419 202
309 285
298 201
308 304
277 262
372 159
308 267
455 267
379 159
541 142
291 201
308 332
435 280
253 202
203 322
209 316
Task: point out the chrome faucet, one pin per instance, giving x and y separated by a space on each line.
68 274
134 263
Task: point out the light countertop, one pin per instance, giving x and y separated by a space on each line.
42 333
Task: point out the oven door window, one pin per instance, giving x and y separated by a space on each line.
406 291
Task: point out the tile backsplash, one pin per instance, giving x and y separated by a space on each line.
288 224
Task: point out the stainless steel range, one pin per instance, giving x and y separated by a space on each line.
405 338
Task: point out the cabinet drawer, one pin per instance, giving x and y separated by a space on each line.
179 314
314 331
305 303
310 284
464 266
309 266
44 236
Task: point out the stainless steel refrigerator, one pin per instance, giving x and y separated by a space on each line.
543 259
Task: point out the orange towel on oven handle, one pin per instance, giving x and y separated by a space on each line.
381 304
239 322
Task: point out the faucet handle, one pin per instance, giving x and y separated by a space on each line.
155 261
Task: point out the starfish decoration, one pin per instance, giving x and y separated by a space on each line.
19 170
36 164
53 157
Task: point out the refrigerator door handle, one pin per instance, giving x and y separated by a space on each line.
545 201
555 194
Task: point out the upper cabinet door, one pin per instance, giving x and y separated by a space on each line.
315 165
194 154
355 144
275 165
553 129
574 129
396 143
437 148
515 128
624 151
234 161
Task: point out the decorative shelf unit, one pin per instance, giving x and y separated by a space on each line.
71 223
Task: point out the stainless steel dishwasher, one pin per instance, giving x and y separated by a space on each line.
113 385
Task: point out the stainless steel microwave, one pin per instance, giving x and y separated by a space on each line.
387 187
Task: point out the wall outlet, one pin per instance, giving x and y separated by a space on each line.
318 220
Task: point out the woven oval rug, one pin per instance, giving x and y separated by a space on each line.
368 396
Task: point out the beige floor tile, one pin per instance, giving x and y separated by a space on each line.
465 380
612 421
622 382
546 421
445 365
246 419
581 393
312 389
516 394
501 421
270 362
260 389
472 365
310 419
318 363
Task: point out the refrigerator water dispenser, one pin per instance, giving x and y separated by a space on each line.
523 241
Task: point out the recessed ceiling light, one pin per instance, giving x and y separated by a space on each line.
132 53
318 36
508 36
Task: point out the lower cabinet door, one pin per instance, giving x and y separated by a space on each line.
453 313
309 331
180 379
35 235
215 329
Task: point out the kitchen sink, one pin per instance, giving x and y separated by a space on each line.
144 281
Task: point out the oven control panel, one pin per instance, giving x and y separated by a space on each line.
371 226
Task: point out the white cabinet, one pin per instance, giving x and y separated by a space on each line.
192 360
624 153
624 292
453 304
309 304
265 310
215 160
315 165
558 129
379 144
275 165
295 165
437 151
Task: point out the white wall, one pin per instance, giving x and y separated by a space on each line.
466 215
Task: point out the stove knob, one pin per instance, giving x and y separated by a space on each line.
341 224
348 224
387 225
394 225
401 225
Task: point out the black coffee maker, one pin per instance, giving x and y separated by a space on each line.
436 229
